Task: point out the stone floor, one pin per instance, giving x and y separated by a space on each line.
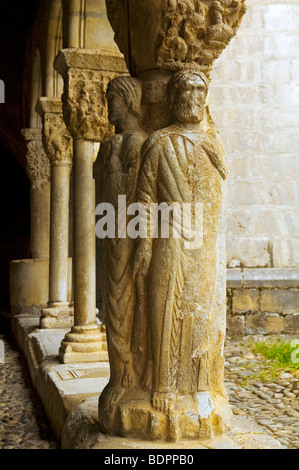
273 405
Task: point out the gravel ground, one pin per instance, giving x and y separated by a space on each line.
23 422
272 404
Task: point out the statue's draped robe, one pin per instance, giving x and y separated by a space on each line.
183 167
119 298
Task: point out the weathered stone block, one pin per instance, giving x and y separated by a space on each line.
280 301
291 324
245 300
274 323
286 253
255 324
235 325
248 252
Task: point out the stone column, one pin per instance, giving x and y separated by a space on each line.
58 147
86 75
166 353
39 173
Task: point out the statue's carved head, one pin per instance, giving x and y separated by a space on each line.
123 95
187 93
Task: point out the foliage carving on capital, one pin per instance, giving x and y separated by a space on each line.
57 141
38 165
85 106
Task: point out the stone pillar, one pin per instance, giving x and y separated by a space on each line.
58 147
166 353
39 173
86 74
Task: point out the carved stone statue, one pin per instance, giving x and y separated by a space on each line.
184 163
120 179
174 286
165 314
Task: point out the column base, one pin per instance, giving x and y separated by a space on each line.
84 344
57 315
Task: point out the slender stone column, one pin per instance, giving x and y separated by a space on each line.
86 75
39 173
58 147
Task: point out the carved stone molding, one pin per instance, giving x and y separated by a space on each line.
86 76
56 139
38 166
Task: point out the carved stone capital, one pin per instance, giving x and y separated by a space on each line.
86 76
38 166
56 139
173 34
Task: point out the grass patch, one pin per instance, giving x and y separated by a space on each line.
280 354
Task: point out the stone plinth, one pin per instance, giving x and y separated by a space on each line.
29 285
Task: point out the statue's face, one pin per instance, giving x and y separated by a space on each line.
117 109
189 104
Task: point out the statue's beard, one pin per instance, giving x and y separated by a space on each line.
185 113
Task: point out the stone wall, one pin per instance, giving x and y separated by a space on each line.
263 301
255 105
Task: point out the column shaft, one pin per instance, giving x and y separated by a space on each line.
57 143
39 220
84 234
59 237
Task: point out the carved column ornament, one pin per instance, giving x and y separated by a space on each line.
164 291
173 34
57 143
56 139
86 75
38 166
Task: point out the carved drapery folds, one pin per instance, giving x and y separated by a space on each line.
165 339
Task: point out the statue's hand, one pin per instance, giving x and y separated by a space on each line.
142 260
